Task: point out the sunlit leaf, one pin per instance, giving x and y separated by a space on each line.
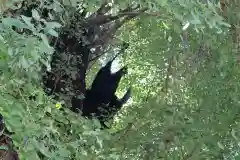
35 14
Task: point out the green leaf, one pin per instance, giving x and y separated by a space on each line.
63 152
53 33
45 48
182 3
32 155
224 24
44 150
13 22
24 62
10 51
44 39
27 20
53 25
2 39
35 14
50 28
4 147
220 145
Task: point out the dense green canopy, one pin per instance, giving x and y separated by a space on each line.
183 64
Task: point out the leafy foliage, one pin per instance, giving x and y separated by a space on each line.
185 81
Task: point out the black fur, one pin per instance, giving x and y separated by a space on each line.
107 112
107 82
100 100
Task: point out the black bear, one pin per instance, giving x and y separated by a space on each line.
107 112
107 81
105 84
100 101
102 90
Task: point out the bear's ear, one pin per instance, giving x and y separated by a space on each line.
107 67
119 74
